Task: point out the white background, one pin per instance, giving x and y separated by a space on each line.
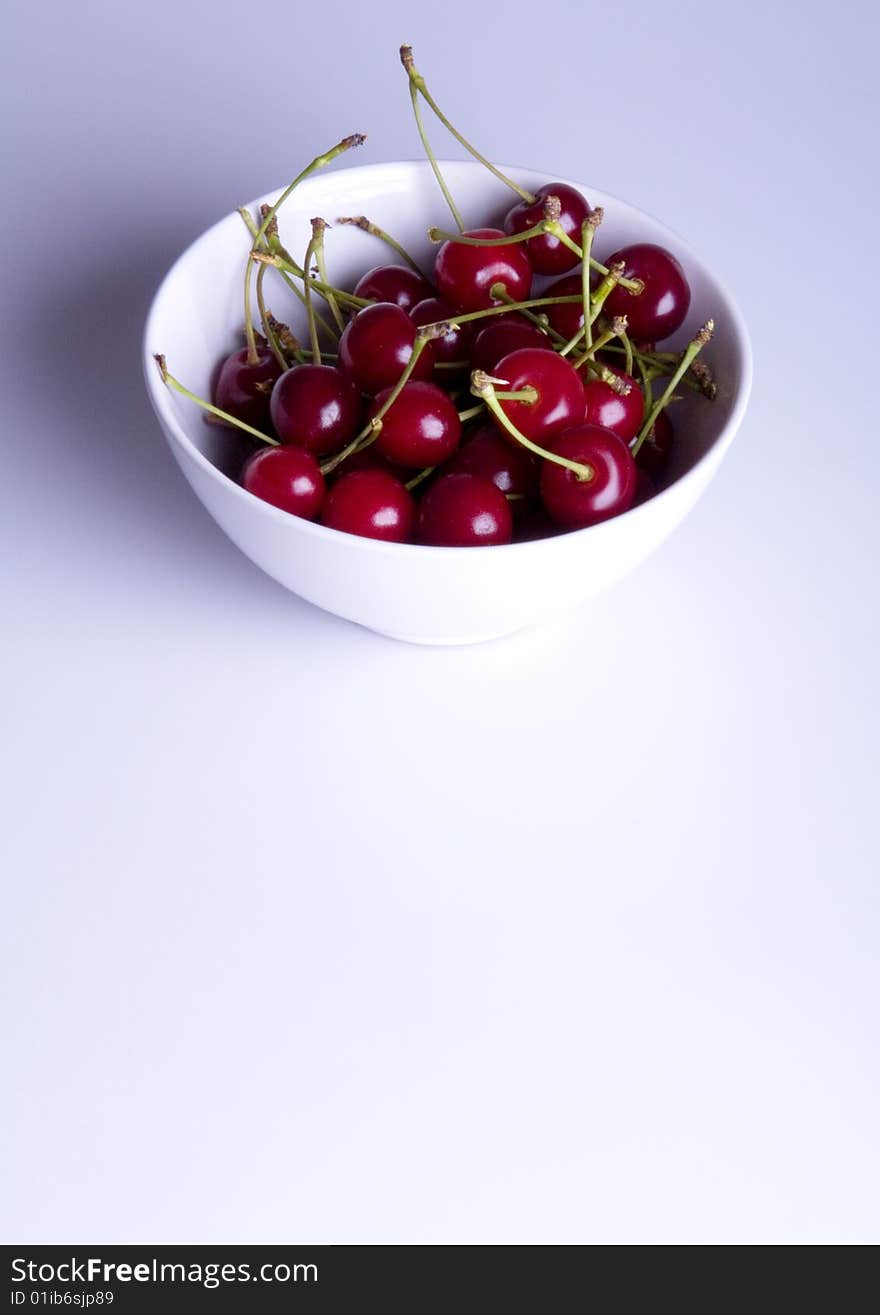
312 936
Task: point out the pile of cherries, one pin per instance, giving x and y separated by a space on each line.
473 408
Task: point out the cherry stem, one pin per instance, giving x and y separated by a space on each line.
483 387
266 321
527 394
432 159
207 406
628 349
618 327
330 294
605 289
361 221
423 474
313 328
370 431
291 267
277 249
356 139
455 320
417 84
694 347
471 413
499 291
510 239
588 232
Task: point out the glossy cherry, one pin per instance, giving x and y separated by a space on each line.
511 469
376 346
464 511
623 413
288 477
465 274
370 503
243 389
504 334
315 406
573 502
547 254
394 283
655 451
560 393
662 306
453 346
420 428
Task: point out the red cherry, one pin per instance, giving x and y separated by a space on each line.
367 459
376 346
315 406
464 274
505 334
370 503
661 307
560 400
573 502
453 346
464 511
511 469
243 390
288 477
420 428
568 318
645 487
547 254
623 413
534 524
394 283
655 451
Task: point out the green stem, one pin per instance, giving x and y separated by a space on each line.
417 84
504 308
694 347
509 240
423 474
414 97
604 290
482 387
356 139
266 321
291 267
370 431
322 274
361 221
313 327
471 413
527 394
207 406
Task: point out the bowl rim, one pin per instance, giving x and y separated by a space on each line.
160 395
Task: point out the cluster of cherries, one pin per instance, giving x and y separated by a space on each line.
473 409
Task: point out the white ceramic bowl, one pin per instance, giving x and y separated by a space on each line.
424 595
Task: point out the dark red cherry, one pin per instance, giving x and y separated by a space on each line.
568 318
244 390
394 283
502 335
454 346
370 503
661 307
420 428
654 452
464 274
623 413
645 487
533 523
288 477
573 502
560 400
315 406
464 511
376 346
511 469
367 459
547 254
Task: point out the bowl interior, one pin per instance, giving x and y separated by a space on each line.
197 316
